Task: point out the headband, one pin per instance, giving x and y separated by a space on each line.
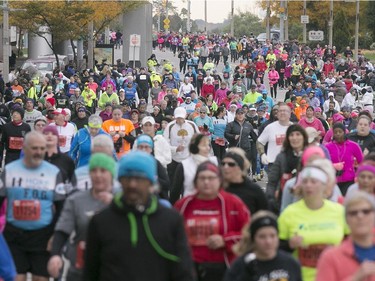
368 168
237 158
95 126
315 173
262 222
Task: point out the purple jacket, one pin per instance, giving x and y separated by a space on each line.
347 152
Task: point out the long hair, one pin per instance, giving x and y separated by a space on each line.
289 131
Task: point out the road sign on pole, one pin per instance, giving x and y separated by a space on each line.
135 40
316 35
304 19
166 26
167 21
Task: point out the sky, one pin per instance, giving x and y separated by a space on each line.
217 10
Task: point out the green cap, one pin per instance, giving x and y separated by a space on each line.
101 160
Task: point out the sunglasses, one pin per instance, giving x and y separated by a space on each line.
230 164
81 110
355 213
203 112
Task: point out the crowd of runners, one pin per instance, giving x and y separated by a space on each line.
115 173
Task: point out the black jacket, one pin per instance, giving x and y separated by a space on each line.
126 244
246 133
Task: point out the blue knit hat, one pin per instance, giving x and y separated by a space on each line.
138 164
145 139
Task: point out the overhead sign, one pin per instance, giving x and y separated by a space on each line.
166 26
135 40
304 19
317 35
166 21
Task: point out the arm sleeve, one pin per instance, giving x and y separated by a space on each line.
92 253
228 133
7 267
73 153
184 268
274 176
178 184
163 181
59 240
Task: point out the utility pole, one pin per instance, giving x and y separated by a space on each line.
330 24
90 46
304 25
356 30
232 19
286 24
159 12
188 22
6 41
205 15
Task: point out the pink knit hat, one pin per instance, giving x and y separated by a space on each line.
310 151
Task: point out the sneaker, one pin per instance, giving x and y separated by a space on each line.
254 178
259 177
261 173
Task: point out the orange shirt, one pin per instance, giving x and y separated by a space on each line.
300 112
125 126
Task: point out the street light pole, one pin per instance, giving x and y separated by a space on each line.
5 41
304 25
268 20
282 14
232 19
205 15
330 23
188 17
286 24
356 30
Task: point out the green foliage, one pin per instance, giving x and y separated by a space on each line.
370 19
341 32
244 24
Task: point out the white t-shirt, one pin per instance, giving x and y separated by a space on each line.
274 134
66 134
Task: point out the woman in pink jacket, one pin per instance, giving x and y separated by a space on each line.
354 259
344 156
273 77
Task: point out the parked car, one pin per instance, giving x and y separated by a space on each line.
274 35
43 65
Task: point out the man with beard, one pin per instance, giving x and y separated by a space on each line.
35 193
134 228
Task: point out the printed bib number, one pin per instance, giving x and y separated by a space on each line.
309 256
199 229
62 141
80 254
26 210
220 141
15 143
280 139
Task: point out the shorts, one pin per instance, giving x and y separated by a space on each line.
29 249
28 261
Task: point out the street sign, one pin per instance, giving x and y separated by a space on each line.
304 19
135 40
317 35
166 26
166 21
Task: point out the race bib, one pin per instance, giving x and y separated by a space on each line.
199 229
220 141
26 210
309 256
80 254
280 139
62 141
15 143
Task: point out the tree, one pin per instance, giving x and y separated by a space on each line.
370 20
66 20
341 33
318 12
244 24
